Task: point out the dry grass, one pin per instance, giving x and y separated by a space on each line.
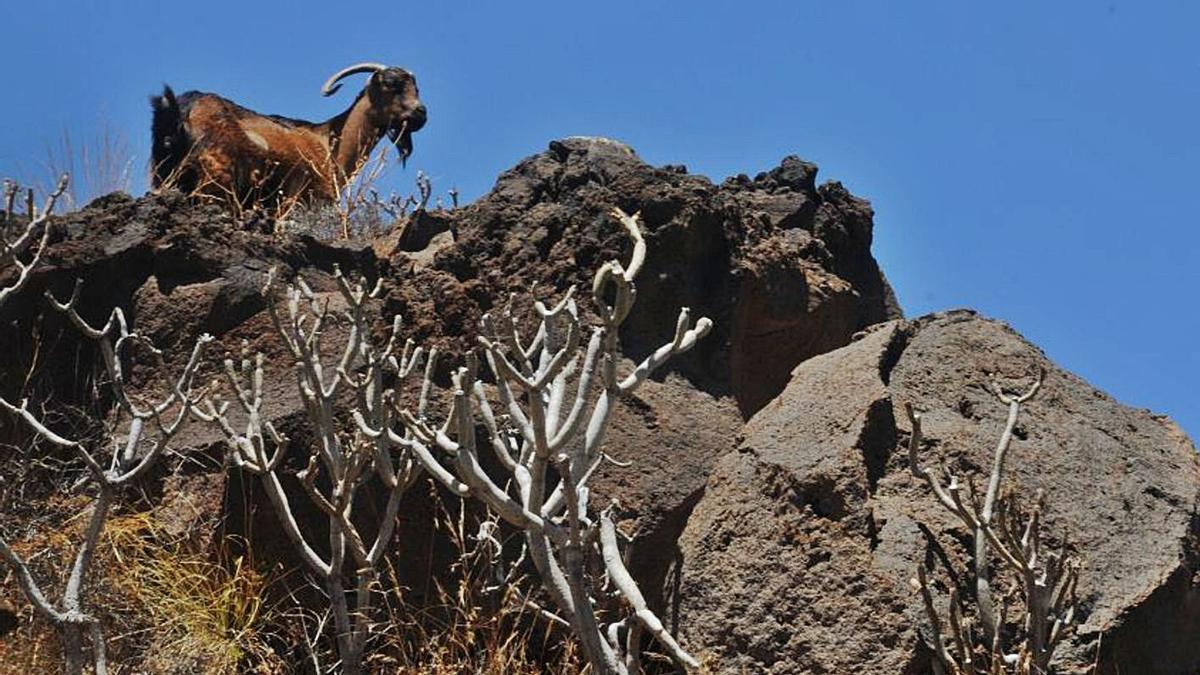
97 167
260 204
203 615
169 608
467 633
477 625
362 213
166 609
33 647
482 624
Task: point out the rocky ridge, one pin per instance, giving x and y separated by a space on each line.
774 519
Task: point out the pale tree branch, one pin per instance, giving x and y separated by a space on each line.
67 614
339 461
11 251
556 396
633 595
1046 579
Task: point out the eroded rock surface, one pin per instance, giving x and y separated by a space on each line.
798 556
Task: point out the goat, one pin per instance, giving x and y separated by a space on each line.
207 145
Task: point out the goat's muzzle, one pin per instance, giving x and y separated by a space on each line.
416 117
401 134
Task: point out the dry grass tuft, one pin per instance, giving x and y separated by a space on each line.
166 609
362 213
97 167
478 624
202 615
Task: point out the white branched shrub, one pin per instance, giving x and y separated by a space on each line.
147 433
1045 579
544 422
347 461
556 393
20 252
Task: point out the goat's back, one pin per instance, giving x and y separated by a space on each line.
204 143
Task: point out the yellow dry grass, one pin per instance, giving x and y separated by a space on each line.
185 611
203 615
171 609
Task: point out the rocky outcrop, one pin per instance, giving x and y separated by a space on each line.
782 266
798 556
803 524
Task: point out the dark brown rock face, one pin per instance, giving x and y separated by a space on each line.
783 267
797 557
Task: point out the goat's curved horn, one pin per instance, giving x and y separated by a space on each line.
331 85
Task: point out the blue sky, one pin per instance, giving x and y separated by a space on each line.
1036 161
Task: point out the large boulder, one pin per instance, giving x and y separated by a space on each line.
797 557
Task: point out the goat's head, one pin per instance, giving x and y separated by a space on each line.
395 102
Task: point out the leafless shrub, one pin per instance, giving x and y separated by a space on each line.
147 434
362 211
1045 579
550 446
13 250
346 461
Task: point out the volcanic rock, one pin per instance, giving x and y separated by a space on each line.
782 266
797 557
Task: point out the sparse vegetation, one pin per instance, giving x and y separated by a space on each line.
475 624
541 578
1043 580
101 166
363 213
17 240
147 433
214 611
347 462
201 614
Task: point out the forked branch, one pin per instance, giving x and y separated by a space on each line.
1046 579
153 425
556 392
337 464
11 251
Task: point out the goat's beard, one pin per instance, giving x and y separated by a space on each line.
402 138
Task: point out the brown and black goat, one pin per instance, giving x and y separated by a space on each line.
206 145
